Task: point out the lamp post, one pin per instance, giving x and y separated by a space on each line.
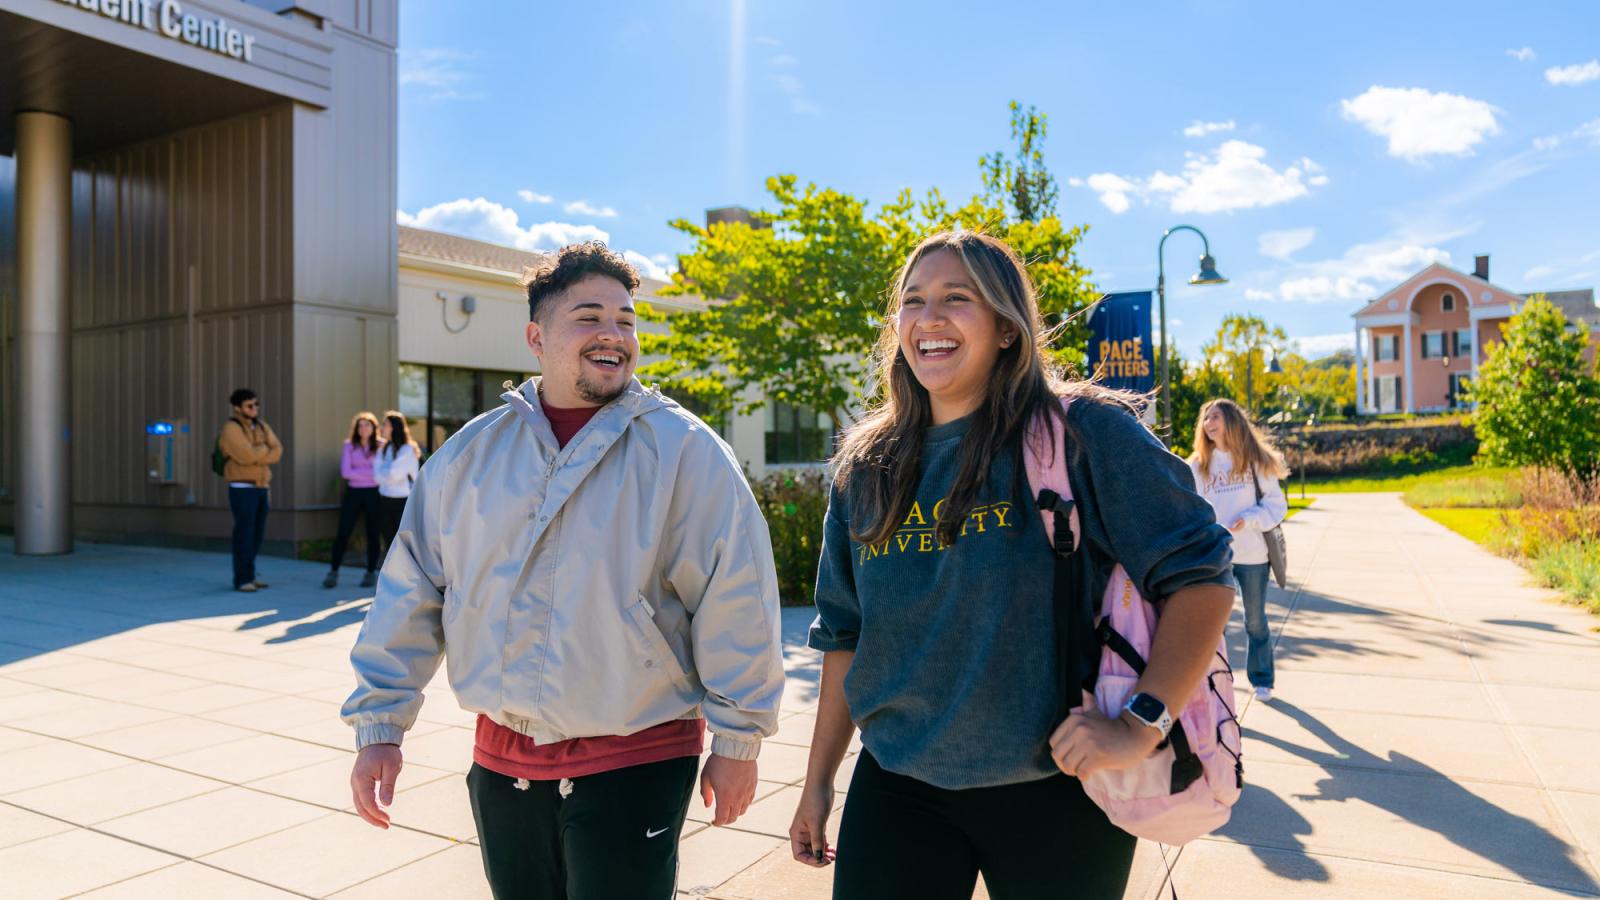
1207 275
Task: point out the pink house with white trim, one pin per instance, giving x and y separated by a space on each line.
1418 344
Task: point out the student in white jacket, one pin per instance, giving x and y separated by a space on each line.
395 469
1233 463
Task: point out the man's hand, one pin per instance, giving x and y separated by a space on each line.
379 765
731 783
1088 741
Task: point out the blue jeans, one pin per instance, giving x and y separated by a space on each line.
1252 580
249 507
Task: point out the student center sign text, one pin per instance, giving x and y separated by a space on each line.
167 17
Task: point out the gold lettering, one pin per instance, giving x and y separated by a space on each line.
938 507
915 515
979 514
903 539
1000 510
925 545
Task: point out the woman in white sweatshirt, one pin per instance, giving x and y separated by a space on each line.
1237 469
395 469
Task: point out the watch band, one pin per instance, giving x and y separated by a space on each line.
1143 707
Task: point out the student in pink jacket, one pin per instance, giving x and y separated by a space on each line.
360 497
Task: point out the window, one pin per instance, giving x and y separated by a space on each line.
796 434
438 400
1463 346
1432 344
701 410
1387 347
1448 303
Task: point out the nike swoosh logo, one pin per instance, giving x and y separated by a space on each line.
650 834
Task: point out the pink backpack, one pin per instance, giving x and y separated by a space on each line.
1187 788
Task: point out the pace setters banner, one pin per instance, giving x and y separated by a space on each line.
1120 343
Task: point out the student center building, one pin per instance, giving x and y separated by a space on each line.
195 195
199 195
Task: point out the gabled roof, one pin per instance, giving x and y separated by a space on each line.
503 260
1477 291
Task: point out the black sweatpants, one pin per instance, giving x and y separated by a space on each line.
1040 840
361 502
615 835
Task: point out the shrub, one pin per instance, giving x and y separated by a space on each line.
795 504
1572 568
1470 492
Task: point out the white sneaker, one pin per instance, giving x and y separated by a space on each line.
1263 694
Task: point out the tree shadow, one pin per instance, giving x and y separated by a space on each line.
1428 798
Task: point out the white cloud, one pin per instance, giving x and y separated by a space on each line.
1546 143
656 267
1590 130
1522 54
1363 272
582 208
533 196
1573 74
1538 272
800 103
1319 345
1198 128
1420 123
486 220
438 72
1284 244
1234 177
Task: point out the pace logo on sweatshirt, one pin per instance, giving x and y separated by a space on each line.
919 533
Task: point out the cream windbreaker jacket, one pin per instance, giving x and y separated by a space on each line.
600 589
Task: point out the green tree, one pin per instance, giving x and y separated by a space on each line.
1023 179
1324 387
1193 385
1239 349
1538 398
795 302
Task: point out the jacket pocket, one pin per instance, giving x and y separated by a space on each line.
642 616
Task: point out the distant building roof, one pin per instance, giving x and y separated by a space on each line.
453 248
1577 306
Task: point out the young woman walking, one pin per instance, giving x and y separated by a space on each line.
360 497
1236 469
935 613
396 469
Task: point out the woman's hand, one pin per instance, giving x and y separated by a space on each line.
808 834
1088 741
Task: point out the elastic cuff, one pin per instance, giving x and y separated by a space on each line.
735 748
367 735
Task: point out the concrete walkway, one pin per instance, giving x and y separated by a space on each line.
162 736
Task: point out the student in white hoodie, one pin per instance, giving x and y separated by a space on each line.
395 469
1233 464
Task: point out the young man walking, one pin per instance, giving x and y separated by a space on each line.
591 563
251 449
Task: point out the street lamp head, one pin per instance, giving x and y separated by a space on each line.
1208 273
1275 368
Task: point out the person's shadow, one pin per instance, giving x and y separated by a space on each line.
1424 796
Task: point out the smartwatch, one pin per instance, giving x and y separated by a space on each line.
1150 711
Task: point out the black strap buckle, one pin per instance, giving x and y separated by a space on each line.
1051 502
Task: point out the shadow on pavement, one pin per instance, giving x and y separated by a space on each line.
1436 803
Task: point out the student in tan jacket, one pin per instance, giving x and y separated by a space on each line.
251 448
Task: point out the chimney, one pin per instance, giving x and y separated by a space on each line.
733 214
1480 266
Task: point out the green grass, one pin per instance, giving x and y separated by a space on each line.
1478 524
1478 491
1401 483
1296 504
1574 569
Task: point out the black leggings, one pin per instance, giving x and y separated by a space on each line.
1040 840
614 835
389 510
361 502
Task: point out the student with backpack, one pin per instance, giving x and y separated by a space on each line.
1236 469
395 468
356 463
936 604
248 448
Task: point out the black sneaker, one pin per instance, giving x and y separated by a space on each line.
370 579
332 580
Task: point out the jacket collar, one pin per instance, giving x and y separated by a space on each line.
613 418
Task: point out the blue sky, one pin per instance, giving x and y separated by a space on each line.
1327 150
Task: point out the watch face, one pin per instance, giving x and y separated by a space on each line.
1146 707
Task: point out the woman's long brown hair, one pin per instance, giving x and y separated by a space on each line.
399 434
880 459
1252 451
355 431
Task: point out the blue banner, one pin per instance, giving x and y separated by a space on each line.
1120 343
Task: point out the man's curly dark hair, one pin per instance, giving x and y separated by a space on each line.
571 264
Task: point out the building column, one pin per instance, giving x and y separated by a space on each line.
1361 376
44 218
1407 353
